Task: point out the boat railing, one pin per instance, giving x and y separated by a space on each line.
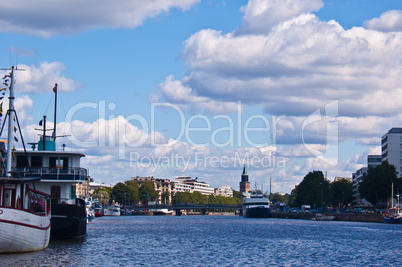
79 174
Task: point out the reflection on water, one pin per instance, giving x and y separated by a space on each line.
220 240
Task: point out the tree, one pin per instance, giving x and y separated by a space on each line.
342 192
377 183
147 192
121 193
135 194
165 197
310 191
276 197
102 195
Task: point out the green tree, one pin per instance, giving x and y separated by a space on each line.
310 190
377 183
147 192
238 195
342 192
102 194
121 193
280 198
165 197
134 190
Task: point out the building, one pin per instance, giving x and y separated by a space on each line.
195 185
224 191
244 184
161 186
357 178
391 148
93 186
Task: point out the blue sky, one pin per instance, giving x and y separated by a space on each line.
283 87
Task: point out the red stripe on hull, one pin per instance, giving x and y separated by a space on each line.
26 225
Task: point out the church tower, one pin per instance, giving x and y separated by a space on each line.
244 184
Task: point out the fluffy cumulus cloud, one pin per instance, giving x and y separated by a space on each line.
389 21
38 79
289 62
261 15
47 18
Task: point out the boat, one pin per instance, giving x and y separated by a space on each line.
323 217
60 173
113 209
394 214
256 206
163 212
24 211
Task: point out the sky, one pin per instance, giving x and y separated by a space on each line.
201 88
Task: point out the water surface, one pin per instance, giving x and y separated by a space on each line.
223 241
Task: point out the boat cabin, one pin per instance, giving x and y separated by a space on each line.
59 171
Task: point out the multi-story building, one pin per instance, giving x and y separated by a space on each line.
225 191
357 178
391 148
161 186
195 185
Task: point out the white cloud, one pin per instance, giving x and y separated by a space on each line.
33 79
389 21
261 15
47 18
298 65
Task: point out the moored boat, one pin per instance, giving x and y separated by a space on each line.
393 215
164 212
24 211
112 210
324 217
60 172
256 206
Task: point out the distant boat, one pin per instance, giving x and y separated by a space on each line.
24 211
112 210
323 217
256 206
393 215
162 212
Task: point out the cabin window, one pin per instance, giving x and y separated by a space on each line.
59 163
64 162
36 162
22 162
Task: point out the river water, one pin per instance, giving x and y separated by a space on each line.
221 241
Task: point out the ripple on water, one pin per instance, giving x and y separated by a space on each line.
220 240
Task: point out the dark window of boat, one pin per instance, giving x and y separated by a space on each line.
60 163
64 162
52 162
36 161
22 162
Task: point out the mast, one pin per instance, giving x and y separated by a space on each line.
392 196
55 109
10 125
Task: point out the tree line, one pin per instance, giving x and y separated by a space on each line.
315 190
132 194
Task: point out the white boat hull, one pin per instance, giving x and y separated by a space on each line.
23 231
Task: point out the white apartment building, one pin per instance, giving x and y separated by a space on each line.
391 148
225 191
195 185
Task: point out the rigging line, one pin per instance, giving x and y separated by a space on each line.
22 141
48 104
62 105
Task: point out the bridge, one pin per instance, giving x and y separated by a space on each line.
203 208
